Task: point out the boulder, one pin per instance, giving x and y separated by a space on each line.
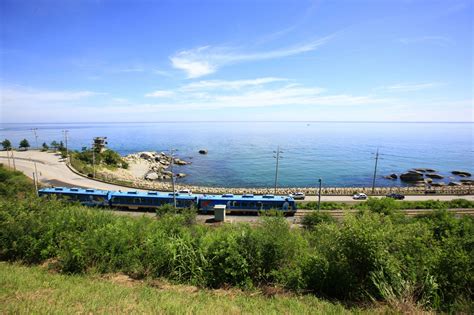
180 162
467 181
203 151
428 180
422 170
430 170
180 175
412 177
454 184
391 176
438 184
147 155
435 176
151 176
461 173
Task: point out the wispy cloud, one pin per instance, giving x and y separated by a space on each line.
205 60
254 93
436 40
160 93
411 87
232 85
23 94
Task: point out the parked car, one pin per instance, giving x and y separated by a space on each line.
298 195
396 196
184 192
359 196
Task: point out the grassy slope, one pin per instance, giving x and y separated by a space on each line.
35 290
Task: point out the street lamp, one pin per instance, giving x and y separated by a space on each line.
319 194
277 157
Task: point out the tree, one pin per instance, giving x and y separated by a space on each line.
24 144
45 147
7 145
54 145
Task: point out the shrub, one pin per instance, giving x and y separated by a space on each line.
311 220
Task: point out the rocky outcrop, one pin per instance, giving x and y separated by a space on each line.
158 163
461 173
203 151
412 177
151 176
435 176
391 176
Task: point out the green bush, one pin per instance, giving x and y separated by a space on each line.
311 220
369 255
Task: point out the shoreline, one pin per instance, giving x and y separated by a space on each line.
137 183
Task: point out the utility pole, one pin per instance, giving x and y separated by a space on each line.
319 194
13 158
93 160
172 177
36 137
65 140
36 183
8 157
277 157
375 170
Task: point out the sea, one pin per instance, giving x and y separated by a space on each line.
243 154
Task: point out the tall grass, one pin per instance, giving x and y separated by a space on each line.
370 255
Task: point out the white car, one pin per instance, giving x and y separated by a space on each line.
298 195
359 196
184 192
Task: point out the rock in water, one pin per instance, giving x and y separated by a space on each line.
412 177
435 176
203 151
461 173
454 184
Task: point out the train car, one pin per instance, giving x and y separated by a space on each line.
87 197
247 203
135 200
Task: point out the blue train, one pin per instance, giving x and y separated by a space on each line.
151 200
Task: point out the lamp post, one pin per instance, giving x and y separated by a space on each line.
277 157
319 194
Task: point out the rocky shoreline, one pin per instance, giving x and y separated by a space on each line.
152 171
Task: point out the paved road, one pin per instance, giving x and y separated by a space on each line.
53 171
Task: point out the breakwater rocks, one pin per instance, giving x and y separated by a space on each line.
429 177
157 164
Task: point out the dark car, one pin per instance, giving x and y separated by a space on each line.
396 196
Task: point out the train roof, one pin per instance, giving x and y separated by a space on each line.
247 197
77 191
152 194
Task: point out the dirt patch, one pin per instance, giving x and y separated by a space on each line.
164 285
121 279
51 265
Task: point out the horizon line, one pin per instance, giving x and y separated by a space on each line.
239 121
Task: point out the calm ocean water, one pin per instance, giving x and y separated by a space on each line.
241 153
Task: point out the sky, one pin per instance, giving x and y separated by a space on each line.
260 60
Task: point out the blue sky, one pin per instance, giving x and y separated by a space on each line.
96 61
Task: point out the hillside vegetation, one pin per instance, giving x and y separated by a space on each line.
374 255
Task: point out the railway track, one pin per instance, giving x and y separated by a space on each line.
409 212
